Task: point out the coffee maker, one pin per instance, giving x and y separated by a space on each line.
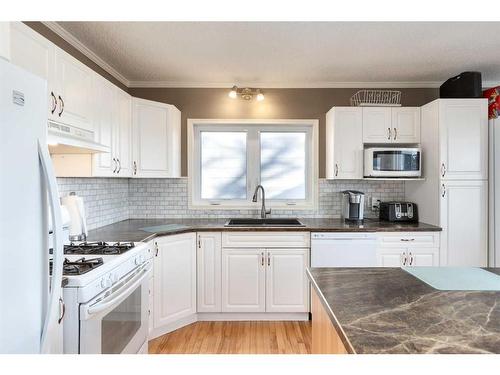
353 203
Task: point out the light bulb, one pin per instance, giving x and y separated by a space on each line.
233 94
260 97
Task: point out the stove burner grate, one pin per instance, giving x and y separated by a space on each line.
98 248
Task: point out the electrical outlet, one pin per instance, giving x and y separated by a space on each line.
375 204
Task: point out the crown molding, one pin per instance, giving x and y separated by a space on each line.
75 42
284 85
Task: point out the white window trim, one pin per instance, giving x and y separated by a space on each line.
195 125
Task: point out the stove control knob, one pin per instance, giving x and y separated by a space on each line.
105 282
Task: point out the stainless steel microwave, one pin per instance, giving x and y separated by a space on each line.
393 162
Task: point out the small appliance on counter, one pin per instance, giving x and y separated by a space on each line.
398 212
353 203
76 210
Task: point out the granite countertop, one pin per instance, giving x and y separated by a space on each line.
387 310
129 230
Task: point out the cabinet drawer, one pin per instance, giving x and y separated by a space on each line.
409 239
265 239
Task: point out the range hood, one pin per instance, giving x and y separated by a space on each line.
66 139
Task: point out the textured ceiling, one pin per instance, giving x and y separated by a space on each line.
291 54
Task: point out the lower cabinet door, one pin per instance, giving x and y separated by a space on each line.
391 257
243 280
174 278
209 291
287 286
423 257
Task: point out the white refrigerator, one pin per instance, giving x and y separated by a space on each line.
30 305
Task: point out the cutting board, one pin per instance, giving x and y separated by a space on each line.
456 278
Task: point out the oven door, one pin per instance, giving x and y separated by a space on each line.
393 162
117 322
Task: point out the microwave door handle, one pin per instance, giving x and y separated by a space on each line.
51 314
118 296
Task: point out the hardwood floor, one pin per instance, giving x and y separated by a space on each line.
236 338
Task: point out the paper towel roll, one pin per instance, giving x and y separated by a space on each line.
76 210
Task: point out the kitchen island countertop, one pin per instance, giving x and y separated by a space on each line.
387 310
130 230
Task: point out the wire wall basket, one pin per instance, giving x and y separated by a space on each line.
374 98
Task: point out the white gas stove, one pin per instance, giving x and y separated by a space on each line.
106 297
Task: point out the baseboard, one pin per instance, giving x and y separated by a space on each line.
217 317
173 326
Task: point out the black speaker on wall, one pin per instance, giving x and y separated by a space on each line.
464 85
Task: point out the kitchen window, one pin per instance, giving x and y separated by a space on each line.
229 158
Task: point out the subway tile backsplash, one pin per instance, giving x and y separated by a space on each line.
108 200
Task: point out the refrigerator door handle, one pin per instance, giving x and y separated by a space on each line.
58 252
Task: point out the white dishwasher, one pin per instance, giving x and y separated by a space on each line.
343 249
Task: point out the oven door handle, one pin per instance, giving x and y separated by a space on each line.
120 294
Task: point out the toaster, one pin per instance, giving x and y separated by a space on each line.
398 211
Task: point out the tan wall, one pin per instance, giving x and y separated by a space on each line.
214 103
278 103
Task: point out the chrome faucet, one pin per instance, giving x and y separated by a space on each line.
263 211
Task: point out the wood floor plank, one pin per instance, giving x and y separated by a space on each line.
236 338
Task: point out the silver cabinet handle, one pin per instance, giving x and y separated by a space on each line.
268 259
389 134
115 165
54 102
156 248
336 169
119 165
135 168
444 191
403 258
62 310
443 170
411 259
262 258
62 105
395 133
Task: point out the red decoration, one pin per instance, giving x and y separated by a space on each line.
493 96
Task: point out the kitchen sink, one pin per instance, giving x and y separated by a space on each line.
272 222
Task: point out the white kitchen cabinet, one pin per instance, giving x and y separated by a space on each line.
105 113
156 134
73 82
112 128
405 124
209 273
5 40
151 302
377 125
287 286
464 218
123 139
463 139
399 249
344 145
32 52
243 280
174 280
386 125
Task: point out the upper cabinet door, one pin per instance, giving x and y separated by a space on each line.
344 146
377 125
406 125
123 133
105 108
156 130
32 52
463 139
74 91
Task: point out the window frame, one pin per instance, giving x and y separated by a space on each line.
253 128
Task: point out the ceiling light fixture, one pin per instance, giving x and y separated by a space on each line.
246 93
